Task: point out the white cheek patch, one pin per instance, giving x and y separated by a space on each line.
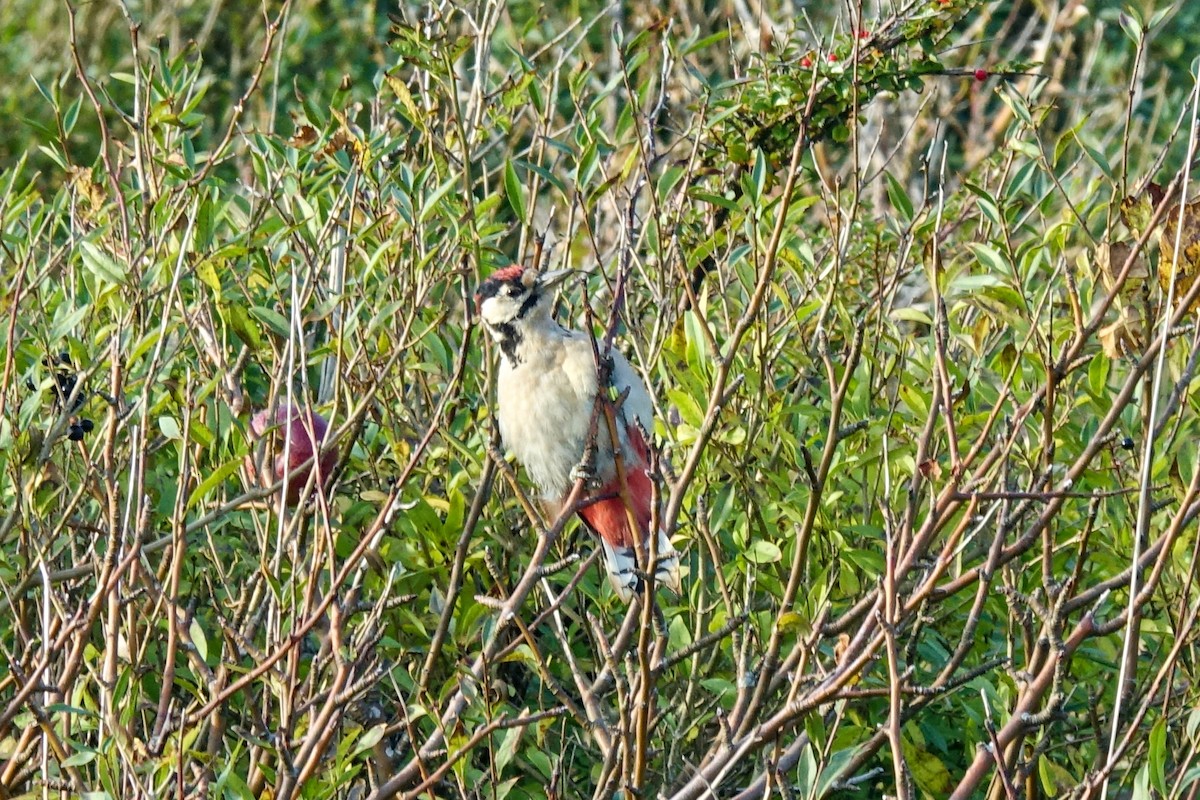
498 309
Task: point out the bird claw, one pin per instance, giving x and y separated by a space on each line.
585 472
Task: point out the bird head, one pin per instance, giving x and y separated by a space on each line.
513 295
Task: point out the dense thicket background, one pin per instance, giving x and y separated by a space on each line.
889 270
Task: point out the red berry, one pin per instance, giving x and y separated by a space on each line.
864 34
981 75
300 448
806 62
833 58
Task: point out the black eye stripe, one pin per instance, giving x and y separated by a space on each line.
491 288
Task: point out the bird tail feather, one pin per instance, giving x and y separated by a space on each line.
623 572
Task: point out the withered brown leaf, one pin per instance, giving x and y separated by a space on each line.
304 136
1189 250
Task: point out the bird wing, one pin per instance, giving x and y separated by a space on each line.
610 509
606 511
614 506
638 405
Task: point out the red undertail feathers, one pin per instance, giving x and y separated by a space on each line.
608 515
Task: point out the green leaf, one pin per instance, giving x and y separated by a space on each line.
505 787
435 197
41 87
806 772
540 761
100 264
245 329
1141 784
720 688
51 153
814 726
67 320
986 202
1055 780
201 434
704 43
990 258
508 747
835 769
898 197
1131 23
198 638
758 176
169 427
763 552
71 116
914 400
1158 756
1190 777
272 319
679 635
513 191
207 273
1096 156
546 175
66 708
911 314
371 738
928 771
790 620
1098 374
586 166
715 199
1193 723
212 481
869 561
1016 104
80 758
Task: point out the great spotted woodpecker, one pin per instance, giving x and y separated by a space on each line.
546 394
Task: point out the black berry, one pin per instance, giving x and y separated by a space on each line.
65 384
65 381
1127 443
75 433
87 425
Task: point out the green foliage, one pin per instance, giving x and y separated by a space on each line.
901 430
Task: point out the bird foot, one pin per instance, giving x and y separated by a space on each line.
585 471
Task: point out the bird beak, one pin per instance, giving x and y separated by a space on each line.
548 280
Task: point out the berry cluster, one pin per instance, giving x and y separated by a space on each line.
65 381
78 429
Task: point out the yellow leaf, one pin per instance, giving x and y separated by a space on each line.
1188 262
1056 781
206 272
1136 213
405 97
928 771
